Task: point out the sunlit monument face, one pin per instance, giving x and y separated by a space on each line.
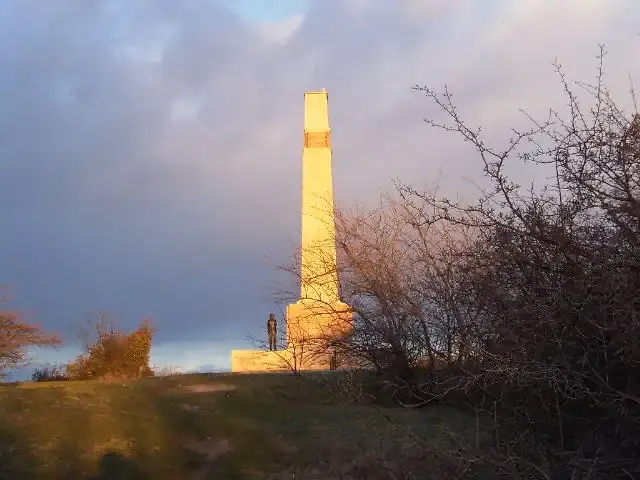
319 312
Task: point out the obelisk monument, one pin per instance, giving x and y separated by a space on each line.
319 314
318 311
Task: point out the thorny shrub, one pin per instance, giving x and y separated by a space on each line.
522 305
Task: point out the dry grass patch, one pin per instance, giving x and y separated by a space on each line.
197 427
209 388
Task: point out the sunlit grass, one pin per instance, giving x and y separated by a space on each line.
249 426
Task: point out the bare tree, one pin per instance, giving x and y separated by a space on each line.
528 295
16 337
555 278
398 280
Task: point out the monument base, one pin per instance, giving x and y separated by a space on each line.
310 326
258 360
291 359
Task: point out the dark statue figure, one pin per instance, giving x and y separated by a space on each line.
272 330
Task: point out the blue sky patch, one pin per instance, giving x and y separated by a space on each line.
268 10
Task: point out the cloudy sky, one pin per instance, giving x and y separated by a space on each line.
150 150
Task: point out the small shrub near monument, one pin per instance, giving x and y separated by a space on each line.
114 354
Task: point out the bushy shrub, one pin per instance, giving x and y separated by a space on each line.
115 354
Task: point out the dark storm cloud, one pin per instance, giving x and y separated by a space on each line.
101 205
149 151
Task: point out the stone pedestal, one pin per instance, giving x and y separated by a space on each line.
292 359
310 328
252 361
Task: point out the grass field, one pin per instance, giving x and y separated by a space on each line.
207 427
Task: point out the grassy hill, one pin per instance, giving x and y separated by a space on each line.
211 426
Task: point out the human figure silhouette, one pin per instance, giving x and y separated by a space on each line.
272 330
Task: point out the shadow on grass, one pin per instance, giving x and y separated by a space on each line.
114 465
83 430
142 429
17 461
